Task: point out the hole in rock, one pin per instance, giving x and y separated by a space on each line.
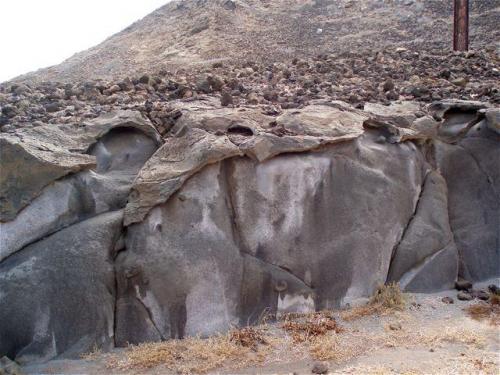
240 129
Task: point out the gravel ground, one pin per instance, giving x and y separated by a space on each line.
428 337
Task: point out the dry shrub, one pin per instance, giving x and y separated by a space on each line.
195 355
247 337
486 310
387 298
303 327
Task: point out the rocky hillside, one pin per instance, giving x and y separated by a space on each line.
189 33
140 201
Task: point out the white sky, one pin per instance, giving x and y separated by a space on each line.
39 33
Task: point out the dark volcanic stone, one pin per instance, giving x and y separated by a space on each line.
320 368
463 285
448 300
226 99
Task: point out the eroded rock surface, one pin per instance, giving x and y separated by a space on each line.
32 158
57 295
116 236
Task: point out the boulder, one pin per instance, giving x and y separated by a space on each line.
57 295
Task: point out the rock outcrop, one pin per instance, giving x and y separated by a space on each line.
111 234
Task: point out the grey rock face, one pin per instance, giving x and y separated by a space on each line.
57 295
328 203
190 244
472 171
427 235
238 215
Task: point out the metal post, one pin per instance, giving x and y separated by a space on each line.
461 25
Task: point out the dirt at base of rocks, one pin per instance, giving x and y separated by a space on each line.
430 336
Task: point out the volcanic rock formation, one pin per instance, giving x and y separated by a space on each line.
245 159
112 235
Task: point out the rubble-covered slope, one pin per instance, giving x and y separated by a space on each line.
190 33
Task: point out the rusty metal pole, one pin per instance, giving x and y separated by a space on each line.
461 25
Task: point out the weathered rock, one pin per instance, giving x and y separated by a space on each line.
242 212
403 112
33 158
205 137
427 239
320 368
448 300
189 243
119 155
493 119
57 295
8 367
177 160
464 296
472 172
462 284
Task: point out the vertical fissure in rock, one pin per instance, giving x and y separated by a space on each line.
410 220
151 319
227 170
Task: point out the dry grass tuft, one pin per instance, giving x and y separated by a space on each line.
195 355
486 310
304 327
93 354
388 298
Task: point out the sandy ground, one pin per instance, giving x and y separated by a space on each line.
428 337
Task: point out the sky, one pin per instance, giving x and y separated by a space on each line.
39 33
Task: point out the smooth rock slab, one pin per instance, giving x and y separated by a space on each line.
472 172
427 234
183 273
57 295
332 217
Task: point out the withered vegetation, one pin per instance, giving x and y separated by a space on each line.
387 299
489 310
304 327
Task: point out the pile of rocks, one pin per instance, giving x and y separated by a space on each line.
383 76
